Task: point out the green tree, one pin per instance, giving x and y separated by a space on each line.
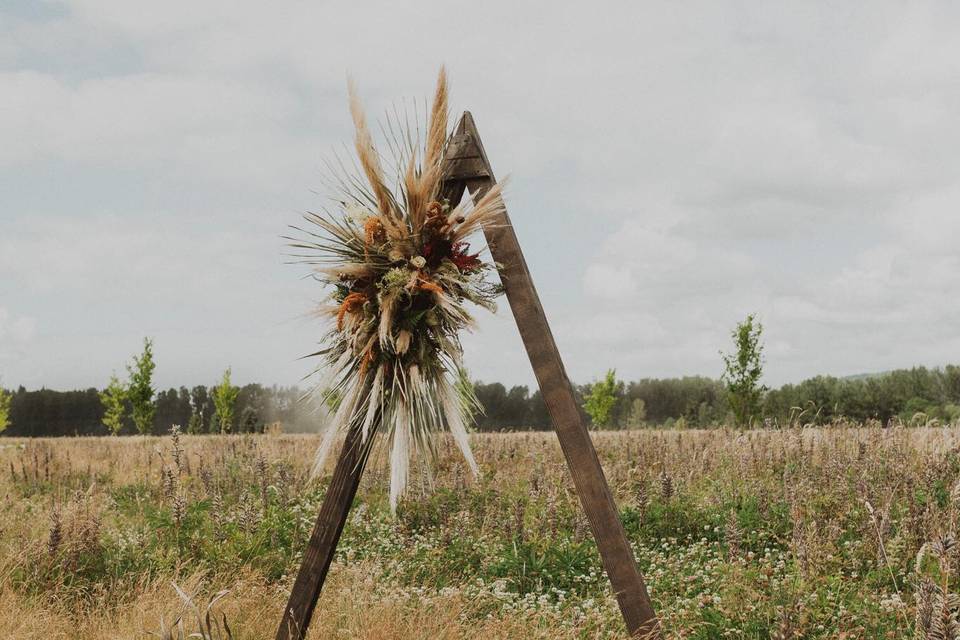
743 370
195 423
602 397
4 410
114 401
140 389
638 413
224 400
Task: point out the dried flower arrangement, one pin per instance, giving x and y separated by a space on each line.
398 260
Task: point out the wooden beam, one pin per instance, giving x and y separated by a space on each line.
326 534
469 169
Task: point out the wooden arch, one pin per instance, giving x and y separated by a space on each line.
467 168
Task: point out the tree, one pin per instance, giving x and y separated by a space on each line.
224 399
601 398
493 399
114 401
250 421
140 389
4 410
539 414
638 413
743 370
199 414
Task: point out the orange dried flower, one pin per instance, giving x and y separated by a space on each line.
434 209
435 217
367 360
350 304
374 231
429 285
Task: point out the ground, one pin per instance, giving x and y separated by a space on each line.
799 533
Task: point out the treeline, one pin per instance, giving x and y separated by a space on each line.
917 394
651 401
907 395
65 413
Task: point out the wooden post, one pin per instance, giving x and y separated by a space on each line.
468 168
323 541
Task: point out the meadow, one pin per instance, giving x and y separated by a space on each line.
842 531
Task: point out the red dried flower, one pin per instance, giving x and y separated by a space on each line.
464 261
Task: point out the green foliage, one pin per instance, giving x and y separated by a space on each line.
600 400
194 424
4 410
114 399
140 390
699 400
637 414
904 394
743 370
225 400
250 421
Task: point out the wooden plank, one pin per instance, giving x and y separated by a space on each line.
588 477
323 541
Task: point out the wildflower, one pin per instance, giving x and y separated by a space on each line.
418 261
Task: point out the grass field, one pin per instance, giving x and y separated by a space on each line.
762 534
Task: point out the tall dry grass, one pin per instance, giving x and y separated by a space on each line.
822 533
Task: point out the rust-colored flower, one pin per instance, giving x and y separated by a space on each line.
350 304
427 284
435 221
434 209
374 231
367 360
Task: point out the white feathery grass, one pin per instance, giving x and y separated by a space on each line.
485 211
399 456
374 403
402 342
387 304
453 411
350 270
341 418
367 153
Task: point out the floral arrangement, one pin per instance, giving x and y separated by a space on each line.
402 273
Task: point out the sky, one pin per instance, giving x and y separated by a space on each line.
673 167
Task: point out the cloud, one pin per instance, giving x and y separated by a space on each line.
16 329
17 332
673 168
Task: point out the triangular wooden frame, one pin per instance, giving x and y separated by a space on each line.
467 168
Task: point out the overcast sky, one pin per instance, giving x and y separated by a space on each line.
674 166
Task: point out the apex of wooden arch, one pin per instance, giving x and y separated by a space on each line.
465 157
